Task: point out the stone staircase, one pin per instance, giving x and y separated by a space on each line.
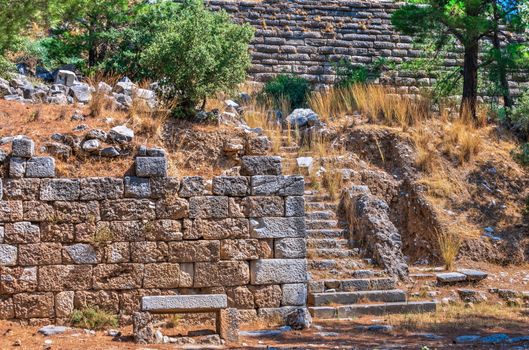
342 283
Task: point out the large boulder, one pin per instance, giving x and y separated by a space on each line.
121 134
303 118
81 92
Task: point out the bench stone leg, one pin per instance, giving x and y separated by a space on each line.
228 325
143 328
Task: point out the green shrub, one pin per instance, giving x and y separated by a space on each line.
350 74
293 89
520 113
198 54
521 154
93 318
6 67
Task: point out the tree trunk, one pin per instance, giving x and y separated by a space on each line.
502 69
470 81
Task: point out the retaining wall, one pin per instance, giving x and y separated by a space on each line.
306 37
73 243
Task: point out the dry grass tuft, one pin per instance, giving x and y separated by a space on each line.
461 141
449 244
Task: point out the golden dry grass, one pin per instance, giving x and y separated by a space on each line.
449 244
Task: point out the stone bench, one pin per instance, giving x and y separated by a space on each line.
227 324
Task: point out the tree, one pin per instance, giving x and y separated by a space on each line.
198 53
468 21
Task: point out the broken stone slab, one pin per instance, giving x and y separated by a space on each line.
121 134
471 296
259 165
299 319
473 275
151 166
451 277
40 167
183 303
53 330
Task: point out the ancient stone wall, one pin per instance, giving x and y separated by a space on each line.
71 243
306 37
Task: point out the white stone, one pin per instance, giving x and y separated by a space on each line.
183 303
278 227
8 255
278 271
294 294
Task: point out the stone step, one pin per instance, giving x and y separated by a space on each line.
316 206
289 149
321 215
352 285
335 264
347 298
331 253
327 233
352 311
332 243
321 224
318 198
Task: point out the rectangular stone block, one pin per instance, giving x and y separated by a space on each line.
81 253
59 190
151 166
118 276
228 325
34 305
22 147
164 187
194 251
295 206
223 273
8 255
77 212
294 294
184 303
57 232
278 271
148 252
162 275
18 280
64 304
163 230
191 186
21 189
208 207
7 310
103 299
39 254
17 167
290 248
266 185
241 249
57 278
233 186
277 227
21 232
137 187
11 211
100 188
38 211
258 207
118 252
174 208
128 209
260 165
213 229
40 167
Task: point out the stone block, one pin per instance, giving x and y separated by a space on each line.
228 325
175 208
473 275
164 187
40 167
118 276
258 146
35 305
208 207
59 190
148 252
57 232
182 303
137 187
164 275
240 297
266 185
39 254
267 296
219 229
187 275
8 255
38 211
118 252
277 227
121 231
191 186
11 211
451 277
21 232
22 147
81 253
295 206
258 207
151 166
240 249
17 167
18 280
21 189
235 208
290 248
7 310
57 278
223 273
278 271
77 212
105 300
163 230
128 209
100 188
194 251
257 165
64 304
294 294
232 186
143 328
2 234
